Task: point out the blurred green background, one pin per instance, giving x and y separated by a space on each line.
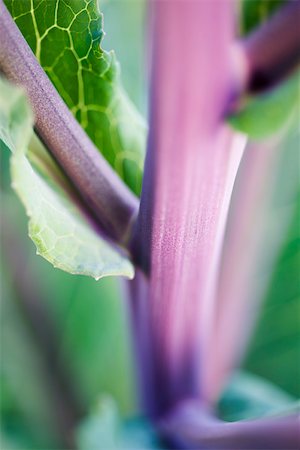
64 339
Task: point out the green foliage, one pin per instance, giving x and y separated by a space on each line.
262 115
274 349
255 12
26 406
121 16
92 349
56 226
66 38
104 430
274 352
93 344
249 397
95 337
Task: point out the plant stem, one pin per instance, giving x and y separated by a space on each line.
109 200
191 163
273 50
190 427
237 306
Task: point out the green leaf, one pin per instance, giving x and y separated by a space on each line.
274 352
104 430
250 397
56 226
264 114
66 38
261 115
255 12
274 349
27 406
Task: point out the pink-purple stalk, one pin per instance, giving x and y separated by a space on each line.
191 163
237 298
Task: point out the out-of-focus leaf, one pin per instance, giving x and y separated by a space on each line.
255 12
249 397
98 355
27 409
261 115
104 430
121 16
66 38
9 441
262 205
56 226
90 324
274 352
264 114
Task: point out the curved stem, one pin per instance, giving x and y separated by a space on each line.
190 427
109 200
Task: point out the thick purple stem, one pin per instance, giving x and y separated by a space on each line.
106 196
191 165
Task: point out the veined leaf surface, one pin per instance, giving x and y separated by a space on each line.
66 36
56 226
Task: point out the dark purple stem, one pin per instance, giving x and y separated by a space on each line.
109 200
190 427
273 50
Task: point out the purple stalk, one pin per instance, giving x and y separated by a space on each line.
191 164
108 199
190 427
237 306
273 51
137 297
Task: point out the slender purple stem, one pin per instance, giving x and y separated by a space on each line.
107 197
273 50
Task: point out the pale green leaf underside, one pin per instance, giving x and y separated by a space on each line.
65 36
56 226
